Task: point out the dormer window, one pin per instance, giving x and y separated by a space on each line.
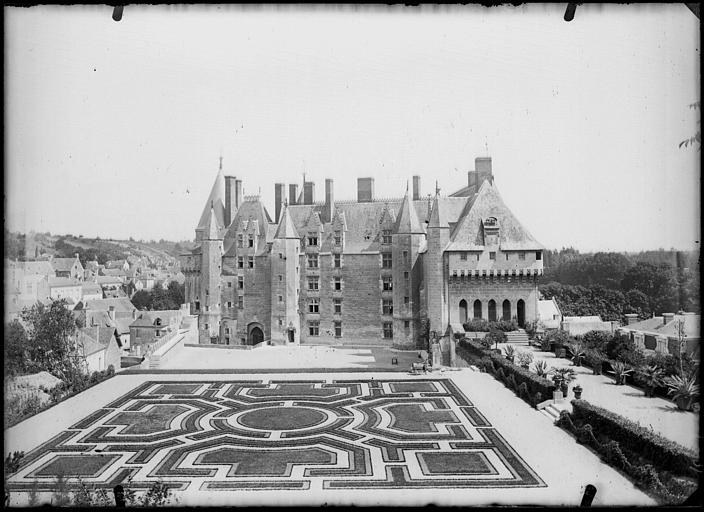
158 321
251 240
312 240
386 236
490 221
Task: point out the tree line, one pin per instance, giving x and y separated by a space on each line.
612 284
160 298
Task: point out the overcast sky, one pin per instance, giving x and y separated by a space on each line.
115 128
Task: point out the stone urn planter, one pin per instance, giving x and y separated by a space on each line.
684 403
577 390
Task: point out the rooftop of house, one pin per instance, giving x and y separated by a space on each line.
162 318
658 325
64 264
548 308
62 282
121 304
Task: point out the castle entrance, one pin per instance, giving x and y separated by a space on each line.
521 310
256 335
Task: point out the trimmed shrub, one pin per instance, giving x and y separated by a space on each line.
481 325
663 453
595 340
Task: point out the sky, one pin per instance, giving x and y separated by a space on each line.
115 129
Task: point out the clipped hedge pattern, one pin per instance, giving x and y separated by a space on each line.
524 382
662 452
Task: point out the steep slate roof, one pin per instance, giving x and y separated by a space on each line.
212 228
251 208
63 264
62 282
216 199
445 211
121 304
148 318
87 340
468 233
286 229
407 219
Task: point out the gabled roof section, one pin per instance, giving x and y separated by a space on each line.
213 228
216 201
407 219
63 264
445 210
468 232
286 228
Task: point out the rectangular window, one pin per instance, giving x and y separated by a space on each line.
406 275
240 301
463 256
388 330
229 304
227 330
312 240
337 304
281 322
240 240
312 260
521 256
206 327
338 329
281 256
406 324
313 306
386 236
336 260
386 260
240 261
388 283
281 298
477 257
492 255
281 278
337 284
251 240
387 306
250 262
229 284
313 328
313 283
240 282
406 300
538 255
506 256
405 256
338 238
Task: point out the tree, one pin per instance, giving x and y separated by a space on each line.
16 345
657 282
177 293
637 302
51 331
142 300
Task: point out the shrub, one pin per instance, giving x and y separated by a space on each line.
596 340
524 358
595 359
495 336
12 462
663 453
533 382
545 345
476 325
541 368
537 398
683 390
559 338
621 372
110 371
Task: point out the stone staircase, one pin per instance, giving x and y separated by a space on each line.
551 411
519 337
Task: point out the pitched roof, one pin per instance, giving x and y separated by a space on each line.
445 211
148 318
89 287
87 341
251 209
216 201
407 219
286 228
122 304
61 282
104 280
656 325
36 267
213 228
468 232
63 264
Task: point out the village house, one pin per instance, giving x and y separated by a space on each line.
68 267
663 334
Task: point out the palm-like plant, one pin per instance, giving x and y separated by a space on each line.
652 377
683 391
577 351
565 375
541 368
621 371
524 358
510 352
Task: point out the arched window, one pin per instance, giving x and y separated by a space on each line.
463 311
506 310
477 308
492 310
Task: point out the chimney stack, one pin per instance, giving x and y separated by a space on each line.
111 313
416 187
230 199
667 318
482 166
329 200
292 193
238 194
279 196
308 192
365 190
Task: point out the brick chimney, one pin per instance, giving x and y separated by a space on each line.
329 200
279 197
231 203
292 193
365 190
111 313
416 187
238 193
308 192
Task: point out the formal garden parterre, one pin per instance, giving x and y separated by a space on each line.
289 435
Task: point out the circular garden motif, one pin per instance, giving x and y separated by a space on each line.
282 418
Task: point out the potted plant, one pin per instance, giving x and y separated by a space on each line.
621 372
652 377
577 352
524 359
562 377
510 352
683 391
541 368
577 390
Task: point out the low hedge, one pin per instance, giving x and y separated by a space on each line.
525 383
662 452
479 325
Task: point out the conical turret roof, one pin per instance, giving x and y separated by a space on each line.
407 218
286 228
213 228
216 202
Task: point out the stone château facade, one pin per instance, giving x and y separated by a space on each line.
375 271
